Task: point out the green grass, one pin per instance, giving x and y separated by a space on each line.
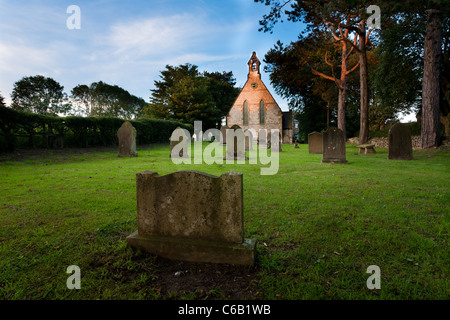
318 226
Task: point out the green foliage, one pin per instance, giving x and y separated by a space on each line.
39 94
186 95
27 130
102 99
2 101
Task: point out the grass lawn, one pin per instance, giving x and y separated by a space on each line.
318 226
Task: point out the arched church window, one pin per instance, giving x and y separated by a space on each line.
245 112
261 112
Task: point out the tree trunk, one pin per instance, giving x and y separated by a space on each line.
341 109
343 91
364 90
430 134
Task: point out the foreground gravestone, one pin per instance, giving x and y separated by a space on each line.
315 142
333 146
400 144
235 144
223 134
192 216
127 140
179 143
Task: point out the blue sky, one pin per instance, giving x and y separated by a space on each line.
128 43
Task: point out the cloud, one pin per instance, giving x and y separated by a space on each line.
158 35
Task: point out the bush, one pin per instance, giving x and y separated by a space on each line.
20 129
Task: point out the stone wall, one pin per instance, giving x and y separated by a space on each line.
383 142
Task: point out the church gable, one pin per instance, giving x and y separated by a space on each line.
255 107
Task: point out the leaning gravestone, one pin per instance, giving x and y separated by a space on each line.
181 139
315 142
127 140
400 145
235 148
223 134
333 146
192 216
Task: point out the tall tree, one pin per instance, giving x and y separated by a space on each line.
185 94
102 99
435 12
39 94
430 132
2 101
346 21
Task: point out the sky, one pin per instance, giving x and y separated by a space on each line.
128 43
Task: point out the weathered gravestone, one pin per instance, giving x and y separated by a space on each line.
192 216
264 139
127 140
179 143
223 134
400 145
248 140
333 146
275 145
235 149
315 142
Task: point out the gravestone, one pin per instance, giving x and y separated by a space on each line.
276 145
235 145
315 142
333 146
400 144
264 139
248 140
181 139
223 134
127 140
192 216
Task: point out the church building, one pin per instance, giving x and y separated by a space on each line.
256 108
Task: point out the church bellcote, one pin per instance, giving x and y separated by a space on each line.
253 65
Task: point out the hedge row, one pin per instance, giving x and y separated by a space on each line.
28 130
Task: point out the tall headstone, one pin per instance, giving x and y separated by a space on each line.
263 139
223 131
276 144
127 140
400 144
179 140
333 146
235 143
315 142
192 216
248 140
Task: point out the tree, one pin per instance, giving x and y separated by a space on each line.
396 80
2 101
39 94
185 94
102 99
345 21
437 13
430 131
311 97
